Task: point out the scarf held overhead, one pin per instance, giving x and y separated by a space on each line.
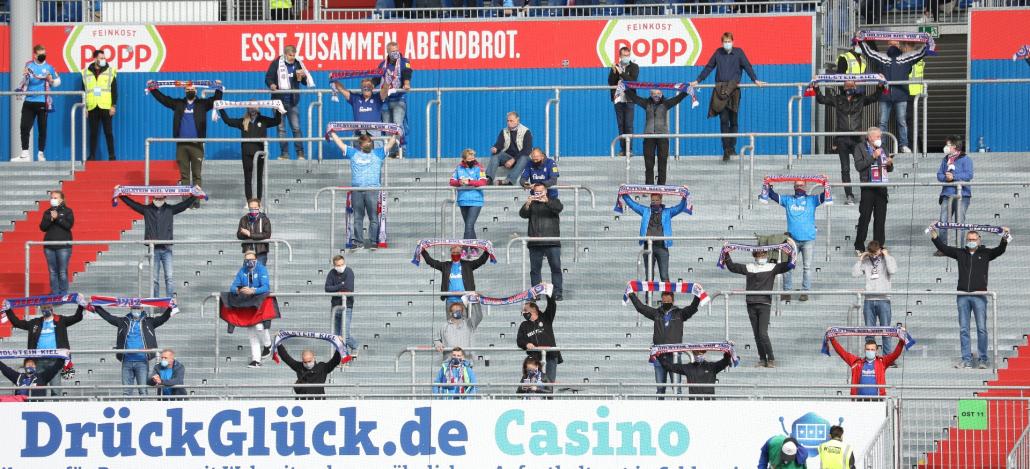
635 286
40 300
380 212
384 127
683 87
724 347
24 85
940 225
922 38
199 84
60 353
157 191
336 77
785 248
520 297
473 245
884 331
263 103
120 302
837 79
630 189
1022 53
336 340
822 180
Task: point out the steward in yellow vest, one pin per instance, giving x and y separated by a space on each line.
100 82
835 454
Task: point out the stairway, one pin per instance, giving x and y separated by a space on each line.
946 104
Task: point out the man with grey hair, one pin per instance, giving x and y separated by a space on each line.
397 77
511 150
872 162
286 73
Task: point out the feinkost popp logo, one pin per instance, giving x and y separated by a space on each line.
129 48
652 42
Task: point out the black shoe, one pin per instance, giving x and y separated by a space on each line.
803 298
726 155
770 364
850 200
266 352
786 298
196 204
938 254
557 297
254 365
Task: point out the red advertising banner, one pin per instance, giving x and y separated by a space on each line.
998 34
431 45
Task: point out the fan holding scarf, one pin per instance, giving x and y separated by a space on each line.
800 210
38 76
284 73
668 329
956 166
760 275
873 162
397 72
136 330
49 331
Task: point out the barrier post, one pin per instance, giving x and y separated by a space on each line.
525 277
557 124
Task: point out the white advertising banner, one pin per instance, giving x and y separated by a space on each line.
444 434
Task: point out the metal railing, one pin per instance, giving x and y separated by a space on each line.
20 96
880 453
1019 457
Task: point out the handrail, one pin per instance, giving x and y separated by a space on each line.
1020 451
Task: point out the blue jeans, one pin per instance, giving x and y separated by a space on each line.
134 372
978 306
958 214
878 313
536 261
662 376
364 204
341 327
57 264
292 118
900 111
470 214
163 260
806 251
396 111
501 158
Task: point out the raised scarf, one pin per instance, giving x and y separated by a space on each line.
156 191
473 247
380 211
283 74
634 286
393 74
24 86
785 248
763 197
264 103
130 302
940 225
199 84
41 300
922 38
336 340
343 126
1022 53
884 331
336 77
724 347
629 189
520 297
859 79
636 85
12 354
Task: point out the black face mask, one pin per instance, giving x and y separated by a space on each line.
191 95
471 164
526 316
41 58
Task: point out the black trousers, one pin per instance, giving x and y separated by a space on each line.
624 121
655 148
95 119
728 125
32 112
873 204
759 316
248 172
845 146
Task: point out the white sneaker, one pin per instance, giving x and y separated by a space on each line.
40 157
906 150
24 158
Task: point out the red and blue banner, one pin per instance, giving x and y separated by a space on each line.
998 113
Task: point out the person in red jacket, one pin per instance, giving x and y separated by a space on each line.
869 368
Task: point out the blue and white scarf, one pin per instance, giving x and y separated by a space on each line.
940 225
678 191
336 77
336 340
520 297
12 354
820 179
922 38
157 191
635 286
785 248
661 86
859 79
389 128
41 300
254 103
882 331
724 347
474 246
198 84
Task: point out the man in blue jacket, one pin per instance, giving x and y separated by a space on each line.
541 170
656 220
287 72
956 166
366 170
252 280
895 65
800 209
168 373
135 332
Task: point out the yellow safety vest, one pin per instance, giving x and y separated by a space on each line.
855 66
279 4
834 454
917 73
98 88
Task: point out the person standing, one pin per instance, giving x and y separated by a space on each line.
872 163
397 80
956 166
656 220
511 150
189 120
537 331
366 170
100 82
668 328
834 453
286 73
870 368
541 170
366 105
895 65
656 149
698 371
543 214
252 125
308 370
40 77
728 62
622 71
800 209
457 275
760 276
848 106
250 281
341 280
255 226
168 375
877 266
33 377
974 262
468 174
49 331
280 10
56 224
459 329
159 224
135 332
851 62
455 370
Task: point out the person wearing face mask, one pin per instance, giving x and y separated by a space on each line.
33 376
800 210
782 452
895 65
249 285
698 371
99 81
341 279
366 170
668 328
366 105
252 125
56 224
851 62
760 276
729 64
467 175
511 150
396 79
39 76
621 71
872 163
457 274
877 266
135 332
656 150
848 106
537 331
870 368
544 216
974 262
533 379
459 328
285 73
308 370
455 370
255 226
956 166
656 220
159 224
48 331
541 170
168 375
189 120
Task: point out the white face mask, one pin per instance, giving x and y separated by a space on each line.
728 46
101 62
159 203
870 354
762 260
948 149
340 269
877 143
309 365
55 202
858 49
624 61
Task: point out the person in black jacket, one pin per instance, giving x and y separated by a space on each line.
57 225
341 279
668 327
458 274
33 377
255 226
537 330
287 72
895 65
135 332
308 371
848 105
623 70
698 371
189 120
656 149
974 262
167 374
252 125
533 379
49 331
544 222
760 277
872 163
159 224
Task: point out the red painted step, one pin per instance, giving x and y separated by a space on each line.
89 195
